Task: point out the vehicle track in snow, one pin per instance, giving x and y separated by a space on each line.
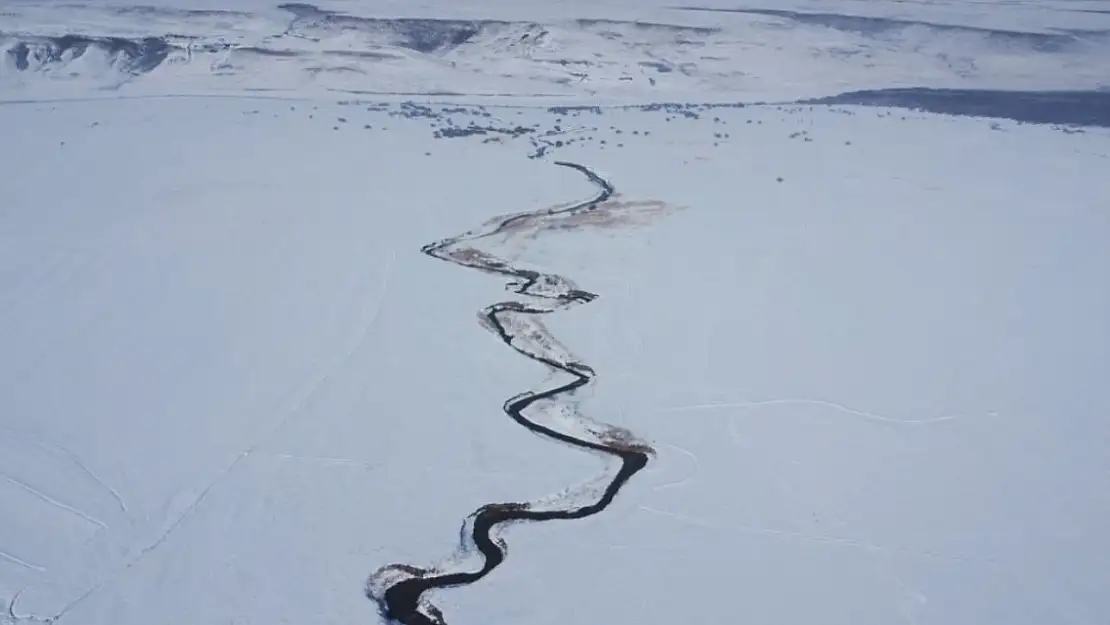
400 589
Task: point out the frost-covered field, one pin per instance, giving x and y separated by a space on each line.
866 346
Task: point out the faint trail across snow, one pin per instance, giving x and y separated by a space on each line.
399 589
51 501
73 458
838 541
23 563
810 402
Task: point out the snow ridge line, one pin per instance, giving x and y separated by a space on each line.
399 589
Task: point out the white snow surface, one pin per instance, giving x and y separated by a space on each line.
869 346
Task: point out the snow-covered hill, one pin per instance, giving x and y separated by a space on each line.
740 55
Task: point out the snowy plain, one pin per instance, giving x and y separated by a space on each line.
868 345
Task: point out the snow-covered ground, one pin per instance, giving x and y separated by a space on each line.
867 345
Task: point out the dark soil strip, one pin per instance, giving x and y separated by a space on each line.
1077 108
402 602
